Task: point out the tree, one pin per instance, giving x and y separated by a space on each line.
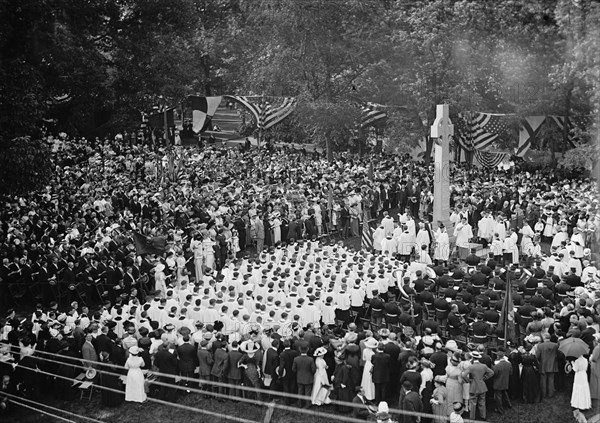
24 165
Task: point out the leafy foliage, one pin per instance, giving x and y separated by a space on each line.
24 165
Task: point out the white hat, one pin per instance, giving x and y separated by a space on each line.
371 343
321 351
134 350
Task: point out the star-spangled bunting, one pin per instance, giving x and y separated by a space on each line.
477 131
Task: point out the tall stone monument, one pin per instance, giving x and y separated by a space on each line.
441 130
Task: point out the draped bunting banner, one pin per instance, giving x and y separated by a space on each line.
264 113
530 128
367 236
477 131
203 109
371 114
489 159
575 124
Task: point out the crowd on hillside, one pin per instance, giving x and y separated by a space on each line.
252 290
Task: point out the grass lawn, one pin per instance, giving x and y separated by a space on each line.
548 411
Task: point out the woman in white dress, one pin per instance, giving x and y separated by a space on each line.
134 385
581 397
160 279
367 380
321 387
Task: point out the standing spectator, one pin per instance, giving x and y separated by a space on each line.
134 385
477 373
285 369
304 367
502 371
258 234
546 355
232 371
166 362
321 386
580 397
439 400
380 372
205 361
595 371
411 402
188 360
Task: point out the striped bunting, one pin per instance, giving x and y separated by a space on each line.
574 139
479 130
489 159
528 133
274 115
252 107
366 236
371 114
265 115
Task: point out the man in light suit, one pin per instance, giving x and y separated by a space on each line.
88 352
477 373
546 355
259 234
502 372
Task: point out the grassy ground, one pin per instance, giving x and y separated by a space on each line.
549 411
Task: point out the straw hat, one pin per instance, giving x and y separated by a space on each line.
249 347
90 373
135 350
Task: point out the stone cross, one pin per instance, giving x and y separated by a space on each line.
442 129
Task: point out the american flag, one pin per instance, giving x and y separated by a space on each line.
371 114
477 131
265 114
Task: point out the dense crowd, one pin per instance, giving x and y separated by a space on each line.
252 290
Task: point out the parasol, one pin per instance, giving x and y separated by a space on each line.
573 347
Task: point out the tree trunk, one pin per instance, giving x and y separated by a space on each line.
428 148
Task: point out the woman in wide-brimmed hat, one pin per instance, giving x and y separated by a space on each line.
454 381
439 400
250 363
134 385
321 386
367 379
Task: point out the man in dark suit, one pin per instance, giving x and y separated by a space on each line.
270 364
502 372
392 349
380 372
411 402
546 355
103 342
231 370
304 367
166 362
284 371
205 362
188 359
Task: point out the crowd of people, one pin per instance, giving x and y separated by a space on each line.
257 287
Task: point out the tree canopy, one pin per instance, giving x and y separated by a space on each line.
114 58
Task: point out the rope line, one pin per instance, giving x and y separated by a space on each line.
20 404
156 400
51 408
225 385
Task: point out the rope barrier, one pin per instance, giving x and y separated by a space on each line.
50 407
228 385
156 400
20 404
